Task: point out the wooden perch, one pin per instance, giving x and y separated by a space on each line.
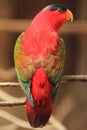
79 78
12 103
65 79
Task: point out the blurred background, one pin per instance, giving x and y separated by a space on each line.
70 106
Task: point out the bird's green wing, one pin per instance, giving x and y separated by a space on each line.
54 68
24 69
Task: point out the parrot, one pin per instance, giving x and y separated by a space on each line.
39 55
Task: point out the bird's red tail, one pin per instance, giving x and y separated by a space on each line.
41 87
41 92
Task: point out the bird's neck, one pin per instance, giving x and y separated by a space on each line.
40 41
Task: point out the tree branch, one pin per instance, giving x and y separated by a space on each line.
9 84
21 101
69 78
65 78
12 103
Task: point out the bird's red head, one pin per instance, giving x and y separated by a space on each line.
53 15
57 15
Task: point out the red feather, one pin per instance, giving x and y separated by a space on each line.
41 89
41 38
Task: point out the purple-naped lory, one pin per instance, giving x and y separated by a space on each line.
39 60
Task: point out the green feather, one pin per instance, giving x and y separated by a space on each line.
57 78
56 83
23 78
